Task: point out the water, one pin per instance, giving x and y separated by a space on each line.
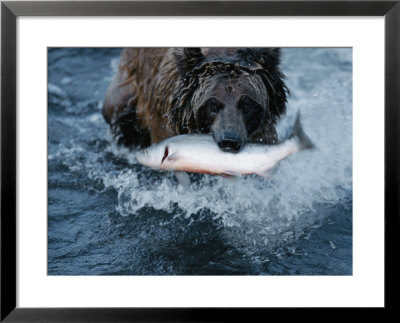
107 215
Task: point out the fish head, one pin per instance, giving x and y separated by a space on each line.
156 156
151 156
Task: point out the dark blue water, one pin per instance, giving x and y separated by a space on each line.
107 215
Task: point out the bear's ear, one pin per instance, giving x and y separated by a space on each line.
188 58
271 56
267 57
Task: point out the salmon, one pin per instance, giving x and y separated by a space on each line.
198 153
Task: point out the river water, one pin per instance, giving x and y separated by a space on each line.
107 215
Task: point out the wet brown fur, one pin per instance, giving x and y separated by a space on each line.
155 91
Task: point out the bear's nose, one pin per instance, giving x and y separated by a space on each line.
230 143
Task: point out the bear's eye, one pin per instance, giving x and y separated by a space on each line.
206 114
213 105
246 104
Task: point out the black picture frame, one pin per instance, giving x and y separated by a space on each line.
10 10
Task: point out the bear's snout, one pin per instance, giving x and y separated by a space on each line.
230 142
229 130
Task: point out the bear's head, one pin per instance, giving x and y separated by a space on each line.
235 94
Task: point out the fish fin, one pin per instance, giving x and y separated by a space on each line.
183 178
173 157
266 173
230 174
299 134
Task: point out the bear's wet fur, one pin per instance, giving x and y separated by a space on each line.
235 94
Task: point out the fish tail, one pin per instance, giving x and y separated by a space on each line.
298 133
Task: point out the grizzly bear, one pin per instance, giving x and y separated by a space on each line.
234 94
